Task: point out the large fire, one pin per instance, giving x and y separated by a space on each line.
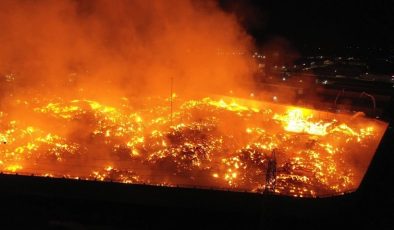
222 143
78 99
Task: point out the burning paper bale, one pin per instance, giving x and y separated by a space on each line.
223 144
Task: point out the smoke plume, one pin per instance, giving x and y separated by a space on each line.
115 48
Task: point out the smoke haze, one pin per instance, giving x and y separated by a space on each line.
116 48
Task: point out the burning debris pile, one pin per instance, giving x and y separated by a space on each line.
217 143
97 51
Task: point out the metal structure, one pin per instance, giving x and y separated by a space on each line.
270 179
372 99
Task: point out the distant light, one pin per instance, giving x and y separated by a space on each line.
284 79
325 82
300 81
252 94
275 98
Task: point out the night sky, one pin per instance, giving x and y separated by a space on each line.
330 25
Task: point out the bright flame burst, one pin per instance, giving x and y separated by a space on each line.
223 144
298 120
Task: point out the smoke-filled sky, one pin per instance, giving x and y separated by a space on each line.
121 47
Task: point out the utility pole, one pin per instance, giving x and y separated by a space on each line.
171 98
339 94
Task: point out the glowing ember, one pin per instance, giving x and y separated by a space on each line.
223 144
